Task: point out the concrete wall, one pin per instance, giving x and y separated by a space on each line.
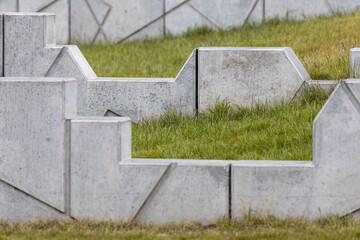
123 20
243 76
57 163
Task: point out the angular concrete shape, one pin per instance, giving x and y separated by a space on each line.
18 207
1 45
245 76
61 9
100 9
33 139
83 25
176 23
29 44
195 191
144 98
226 13
327 186
71 62
355 63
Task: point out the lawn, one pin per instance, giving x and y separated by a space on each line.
250 228
282 132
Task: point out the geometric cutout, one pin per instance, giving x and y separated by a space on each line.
110 113
100 9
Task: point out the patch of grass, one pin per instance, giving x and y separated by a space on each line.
250 228
280 131
322 44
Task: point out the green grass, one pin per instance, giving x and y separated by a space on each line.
250 228
322 45
282 132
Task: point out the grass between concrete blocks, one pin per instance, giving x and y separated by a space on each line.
250 228
281 132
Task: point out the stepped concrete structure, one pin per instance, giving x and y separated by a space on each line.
66 153
94 20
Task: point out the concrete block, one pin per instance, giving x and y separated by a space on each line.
327 186
295 9
189 191
153 29
355 63
1 45
61 9
33 6
18 207
227 13
71 63
136 98
280 188
141 98
176 23
29 44
245 76
32 138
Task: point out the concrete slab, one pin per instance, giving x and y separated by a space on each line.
1 45
29 47
246 76
171 4
61 9
8 6
33 152
355 63
18 207
344 5
325 187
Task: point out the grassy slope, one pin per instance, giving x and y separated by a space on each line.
282 132
252 228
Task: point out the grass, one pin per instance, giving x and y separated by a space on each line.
281 132
322 45
250 228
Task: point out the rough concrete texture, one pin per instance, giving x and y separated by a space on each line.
93 20
17 206
326 186
143 190
1 45
33 138
355 63
246 76
29 44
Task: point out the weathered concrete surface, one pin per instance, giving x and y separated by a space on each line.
355 63
1 45
296 9
327 186
32 138
246 76
29 44
17 206
143 98
71 63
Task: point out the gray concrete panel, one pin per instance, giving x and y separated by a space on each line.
29 43
33 138
18 207
246 76
1 45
